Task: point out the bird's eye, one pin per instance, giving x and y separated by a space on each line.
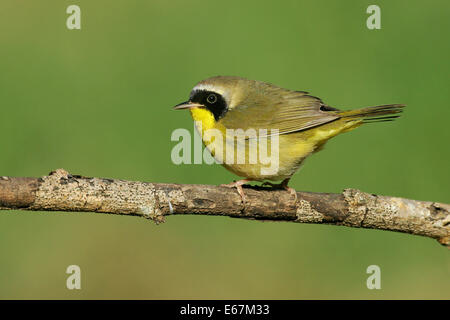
212 98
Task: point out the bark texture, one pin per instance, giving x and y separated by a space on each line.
61 191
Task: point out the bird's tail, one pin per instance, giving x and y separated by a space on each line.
388 112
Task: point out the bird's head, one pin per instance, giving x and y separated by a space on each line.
218 95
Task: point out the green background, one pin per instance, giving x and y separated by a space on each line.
97 102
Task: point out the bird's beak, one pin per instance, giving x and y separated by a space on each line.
187 105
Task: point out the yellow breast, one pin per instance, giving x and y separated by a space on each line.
206 119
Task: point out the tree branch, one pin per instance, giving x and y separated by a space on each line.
61 191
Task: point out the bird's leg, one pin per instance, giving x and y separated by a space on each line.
282 185
238 185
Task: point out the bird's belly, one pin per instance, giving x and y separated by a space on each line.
281 163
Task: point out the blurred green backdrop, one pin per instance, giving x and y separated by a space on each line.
97 102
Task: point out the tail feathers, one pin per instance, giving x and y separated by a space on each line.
388 112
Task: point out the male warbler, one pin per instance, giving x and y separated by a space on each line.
241 113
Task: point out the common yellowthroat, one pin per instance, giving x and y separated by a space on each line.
302 124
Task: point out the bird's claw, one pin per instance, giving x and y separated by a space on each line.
238 185
283 185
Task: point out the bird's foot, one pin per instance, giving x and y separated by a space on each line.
282 185
238 185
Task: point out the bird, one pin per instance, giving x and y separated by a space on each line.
243 113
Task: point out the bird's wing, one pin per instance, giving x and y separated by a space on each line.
277 108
